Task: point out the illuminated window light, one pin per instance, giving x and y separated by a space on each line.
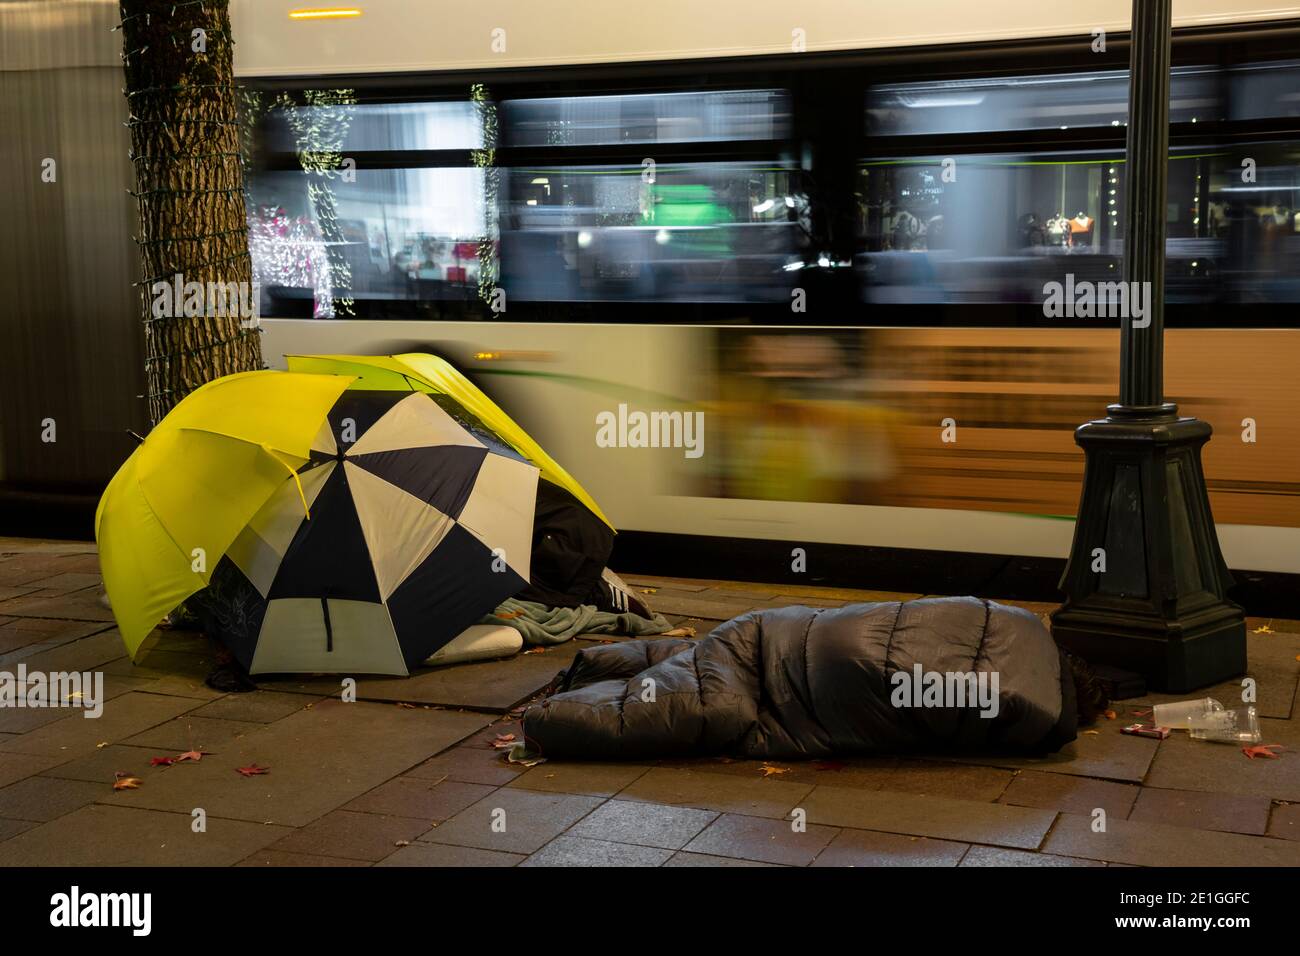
324 13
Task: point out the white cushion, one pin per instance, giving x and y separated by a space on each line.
478 643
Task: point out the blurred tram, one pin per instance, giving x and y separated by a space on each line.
837 246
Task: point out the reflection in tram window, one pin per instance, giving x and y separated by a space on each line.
647 118
1053 101
379 126
997 228
702 232
400 234
1264 90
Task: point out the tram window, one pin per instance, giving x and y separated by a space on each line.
729 115
997 228
688 232
1049 101
391 234
1264 90
363 127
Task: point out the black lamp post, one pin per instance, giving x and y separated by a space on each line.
1146 583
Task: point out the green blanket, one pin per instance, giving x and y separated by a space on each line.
540 624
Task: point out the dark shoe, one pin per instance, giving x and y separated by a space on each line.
230 678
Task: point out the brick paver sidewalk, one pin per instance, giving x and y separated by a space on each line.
408 775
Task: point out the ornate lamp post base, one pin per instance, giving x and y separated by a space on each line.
1146 583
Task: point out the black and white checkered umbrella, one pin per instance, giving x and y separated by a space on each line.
420 522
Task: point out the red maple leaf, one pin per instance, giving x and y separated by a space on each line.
161 761
195 755
252 770
1262 750
124 781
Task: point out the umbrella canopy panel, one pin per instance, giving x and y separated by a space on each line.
420 522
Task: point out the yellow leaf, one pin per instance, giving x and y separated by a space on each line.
769 771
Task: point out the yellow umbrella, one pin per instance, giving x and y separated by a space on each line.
176 505
419 371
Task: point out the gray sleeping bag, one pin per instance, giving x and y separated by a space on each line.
941 674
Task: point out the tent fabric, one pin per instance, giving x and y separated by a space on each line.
813 682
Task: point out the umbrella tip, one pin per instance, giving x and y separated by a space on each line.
139 439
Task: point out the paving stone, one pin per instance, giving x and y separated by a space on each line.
69 581
98 835
624 821
469 765
1059 791
1154 844
72 607
13 635
487 737
695 605
1109 755
593 779
638 582
189 732
992 856
715 791
272 858
262 706
703 859
85 654
918 815
15 767
177 673
102 765
20 721
319 759
1202 811
1285 821
11 828
868 848
531 820
423 799
122 717
576 851
1186 764
494 686
946 780
756 838
439 854
355 836
46 798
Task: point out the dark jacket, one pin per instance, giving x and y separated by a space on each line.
816 682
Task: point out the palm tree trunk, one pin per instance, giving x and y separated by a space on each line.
185 146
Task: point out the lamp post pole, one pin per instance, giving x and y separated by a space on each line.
1146 584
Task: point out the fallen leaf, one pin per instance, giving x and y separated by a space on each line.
1092 733
1110 714
161 761
1262 750
536 650
405 706
253 770
509 615
504 741
1262 629
402 843
769 771
195 755
104 743
649 590
124 781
